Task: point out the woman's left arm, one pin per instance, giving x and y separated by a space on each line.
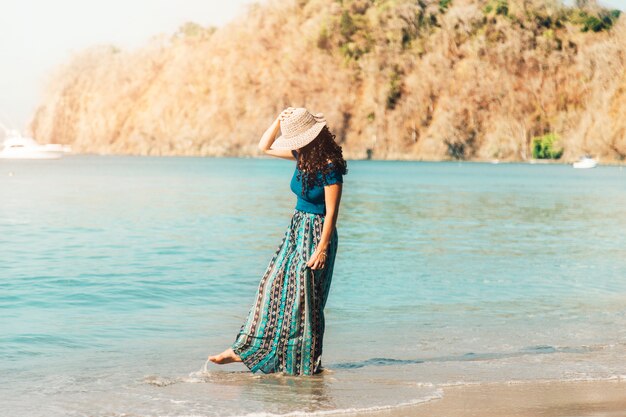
332 195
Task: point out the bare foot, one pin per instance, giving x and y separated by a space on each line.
226 356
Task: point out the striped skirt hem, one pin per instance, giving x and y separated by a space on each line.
284 328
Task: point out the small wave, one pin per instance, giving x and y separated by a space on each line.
437 395
201 376
375 362
220 377
615 378
160 381
473 356
25 340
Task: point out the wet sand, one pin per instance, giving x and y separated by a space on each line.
523 399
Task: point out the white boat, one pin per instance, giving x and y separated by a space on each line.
16 146
585 162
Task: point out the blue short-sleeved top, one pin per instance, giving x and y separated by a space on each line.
313 201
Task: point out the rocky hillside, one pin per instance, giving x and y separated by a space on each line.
396 79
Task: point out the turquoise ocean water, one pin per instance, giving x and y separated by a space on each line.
120 275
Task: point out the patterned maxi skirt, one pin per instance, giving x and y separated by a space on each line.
284 328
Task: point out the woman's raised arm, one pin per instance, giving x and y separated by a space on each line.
270 135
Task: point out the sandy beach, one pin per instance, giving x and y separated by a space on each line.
523 399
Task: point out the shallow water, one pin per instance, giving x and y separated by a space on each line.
119 275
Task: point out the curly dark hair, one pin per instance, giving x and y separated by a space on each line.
315 157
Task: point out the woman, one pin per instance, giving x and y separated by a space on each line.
284 328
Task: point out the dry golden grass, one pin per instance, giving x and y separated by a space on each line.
407 80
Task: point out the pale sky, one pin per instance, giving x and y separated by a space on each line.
37 35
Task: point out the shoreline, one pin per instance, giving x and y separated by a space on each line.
550 398
478 161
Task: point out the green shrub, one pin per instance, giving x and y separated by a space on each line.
190 29
193 30
593 23
545 147
355 38
498 6
502 7
456 149
347 28
444 4
323 39
351 50
406 38
394 91
604 20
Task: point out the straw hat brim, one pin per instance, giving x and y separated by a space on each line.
300 140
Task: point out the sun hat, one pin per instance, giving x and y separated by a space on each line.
298 129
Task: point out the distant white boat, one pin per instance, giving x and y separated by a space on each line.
16 146
585 162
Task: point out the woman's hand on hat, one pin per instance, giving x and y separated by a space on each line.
285 113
